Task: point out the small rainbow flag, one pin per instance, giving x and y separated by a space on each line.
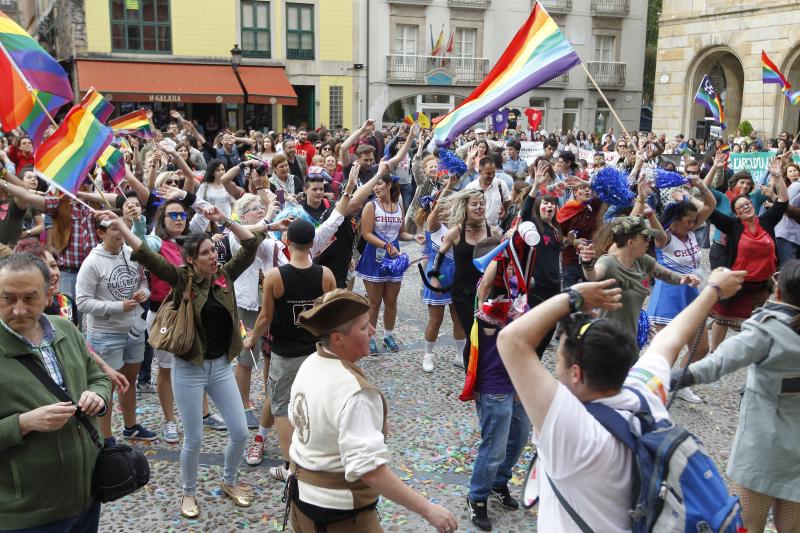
242 330
707 96
725 148
135 123
418 118
771 74
113 163
538 53
65 158
26 69
793 97
99 106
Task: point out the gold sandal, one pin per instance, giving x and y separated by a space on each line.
242 499
189 512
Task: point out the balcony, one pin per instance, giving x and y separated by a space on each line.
434 70
606 74
556 7
470 4
611 8
412 2
558 81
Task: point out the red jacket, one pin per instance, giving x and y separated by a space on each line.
20 159
306 149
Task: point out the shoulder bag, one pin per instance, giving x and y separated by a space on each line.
173 327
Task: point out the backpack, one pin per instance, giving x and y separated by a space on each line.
677 486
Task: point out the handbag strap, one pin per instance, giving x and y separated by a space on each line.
580 522
45 379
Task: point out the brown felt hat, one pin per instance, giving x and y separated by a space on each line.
333 309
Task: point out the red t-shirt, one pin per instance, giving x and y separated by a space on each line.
755 253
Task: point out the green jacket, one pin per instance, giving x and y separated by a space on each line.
177 276
47 476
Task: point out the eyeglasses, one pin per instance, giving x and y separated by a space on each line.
692 173
177 215
255 207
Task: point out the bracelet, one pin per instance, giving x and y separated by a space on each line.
716 288
387 245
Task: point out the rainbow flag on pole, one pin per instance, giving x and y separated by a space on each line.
538 53
113 163
65 158
135 123
771 74
99 106
707 96
26 69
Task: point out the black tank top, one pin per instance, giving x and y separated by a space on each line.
466 275
301 286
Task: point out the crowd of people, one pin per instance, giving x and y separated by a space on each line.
267 234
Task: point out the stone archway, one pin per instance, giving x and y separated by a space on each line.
787 116
727 75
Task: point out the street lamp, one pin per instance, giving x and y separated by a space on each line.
236 60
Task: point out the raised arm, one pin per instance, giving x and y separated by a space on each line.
22 196
401 153
709 201
344 151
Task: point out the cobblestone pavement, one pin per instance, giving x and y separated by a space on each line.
433 438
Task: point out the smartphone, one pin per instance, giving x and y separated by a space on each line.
281 195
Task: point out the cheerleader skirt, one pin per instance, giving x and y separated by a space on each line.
369 269
667 300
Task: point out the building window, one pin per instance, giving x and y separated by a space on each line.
336 106
465 42
405 40
255 29
602 118
569 117
604 48
140 26
299 31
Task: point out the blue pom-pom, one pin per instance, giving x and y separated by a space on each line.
666 179
426 202
294 210
611 186
395 266
450 162
643 329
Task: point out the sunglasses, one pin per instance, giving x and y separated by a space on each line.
178 215
173 183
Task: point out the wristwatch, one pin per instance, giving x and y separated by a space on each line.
575 300
227 223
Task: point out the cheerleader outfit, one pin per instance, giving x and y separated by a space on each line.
387 228
447 269
667 300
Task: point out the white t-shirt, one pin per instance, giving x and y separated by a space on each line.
495 195
591 468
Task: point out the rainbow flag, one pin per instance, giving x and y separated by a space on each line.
538 53
65 158
135 123
99 106
113 163
771 74
725 148
793 97
707 96
26 69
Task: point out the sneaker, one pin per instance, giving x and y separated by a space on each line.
373 347
255 453
502 495
391 343
479 515
687 395
427 362
171 432
280 473
145 388
458 362
214 422
139 433
252 421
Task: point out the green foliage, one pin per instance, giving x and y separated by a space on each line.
651 46
746 127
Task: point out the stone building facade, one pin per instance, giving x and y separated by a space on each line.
724 39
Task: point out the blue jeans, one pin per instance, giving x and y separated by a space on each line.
786 250
407 193
67 282
504 433
188 384
86 522
570 275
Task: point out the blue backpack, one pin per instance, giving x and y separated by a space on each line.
677 487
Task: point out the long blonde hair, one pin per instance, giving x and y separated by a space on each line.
457 204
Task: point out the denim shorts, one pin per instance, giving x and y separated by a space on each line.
117 349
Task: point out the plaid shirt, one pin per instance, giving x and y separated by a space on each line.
44 349
82 238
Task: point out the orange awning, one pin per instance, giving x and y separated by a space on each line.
185 82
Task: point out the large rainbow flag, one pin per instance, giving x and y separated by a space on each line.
65 158
99 106
538 53
135 123
707 95
771 74
26 69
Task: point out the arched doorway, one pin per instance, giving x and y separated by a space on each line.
788 114
432 104
727 76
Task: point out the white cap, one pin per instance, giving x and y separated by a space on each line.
480 130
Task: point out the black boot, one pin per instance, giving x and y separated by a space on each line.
479 515
502 495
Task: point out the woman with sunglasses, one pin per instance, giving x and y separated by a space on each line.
750 245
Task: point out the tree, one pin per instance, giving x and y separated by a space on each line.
651 49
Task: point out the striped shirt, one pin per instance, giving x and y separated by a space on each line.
44 349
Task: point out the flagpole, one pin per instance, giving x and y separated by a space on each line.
99 190
64 190
621 125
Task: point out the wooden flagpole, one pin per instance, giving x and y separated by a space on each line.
619 121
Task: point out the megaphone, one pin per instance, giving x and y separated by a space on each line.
482 262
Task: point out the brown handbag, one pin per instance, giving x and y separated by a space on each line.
173 328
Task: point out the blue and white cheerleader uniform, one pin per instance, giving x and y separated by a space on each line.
432 243
667 300
387 228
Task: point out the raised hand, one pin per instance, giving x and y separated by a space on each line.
602 294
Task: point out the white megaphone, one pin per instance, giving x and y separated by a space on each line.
482 262
527 230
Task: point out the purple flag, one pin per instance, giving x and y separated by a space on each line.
500 120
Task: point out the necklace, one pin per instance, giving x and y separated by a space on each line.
687 246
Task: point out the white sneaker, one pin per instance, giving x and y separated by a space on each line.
279 473
171 432
427 362
687 395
